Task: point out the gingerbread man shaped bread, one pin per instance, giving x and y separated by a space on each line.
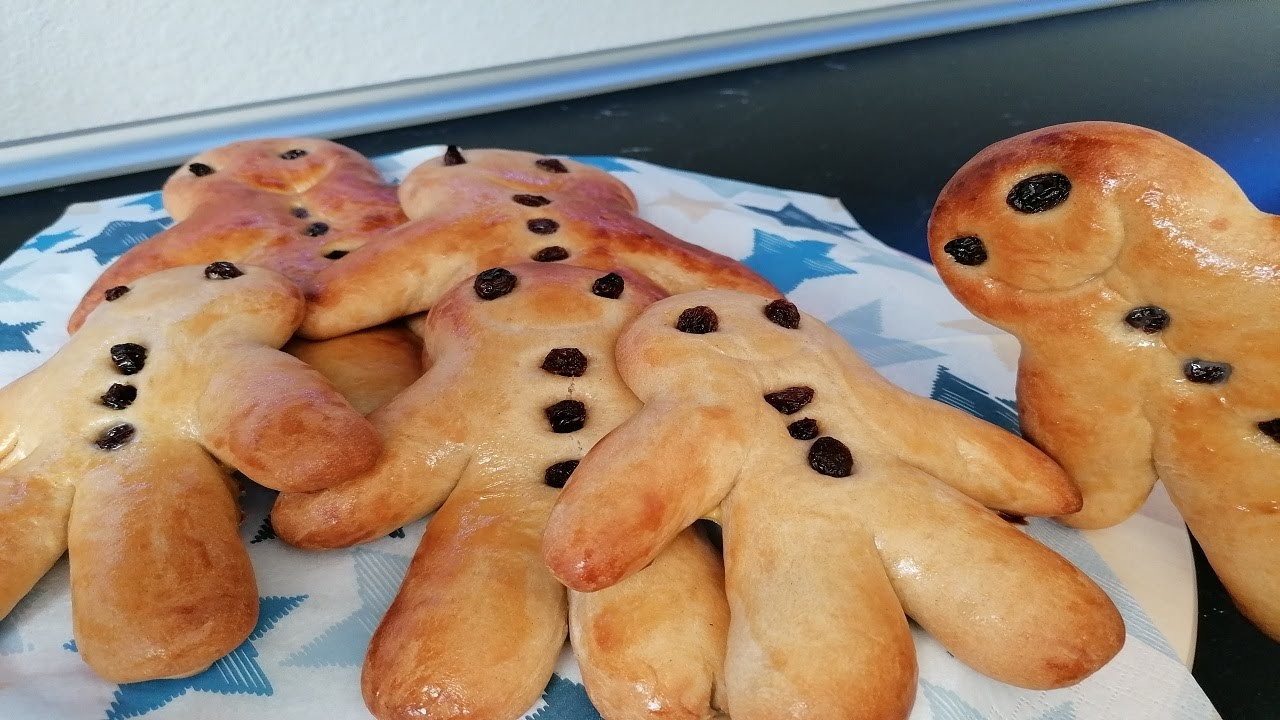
1144 288
522 384
117 448
844 500
489 208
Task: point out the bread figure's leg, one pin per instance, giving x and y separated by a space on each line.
998 600
478 623
816 631
161 585
34 507
653 646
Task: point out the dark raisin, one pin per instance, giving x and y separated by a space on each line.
222 271
557 475
119 397
831 457
1205 371
568 362
967 250
551 165
1039 193
790 400
783 312
200 169
300 213
1148 318
1271 428
113 438
316 229
1011 518
806 429
115 293
453 156
293 154
494 283
566 416
698 320
553 253
609 286
129 358
531 200
336 254
542 226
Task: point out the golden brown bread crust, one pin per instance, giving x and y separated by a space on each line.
820 568
161 585
368 367
479 622
244 206
477 214
1147 222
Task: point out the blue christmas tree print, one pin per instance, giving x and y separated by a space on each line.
236 674
792 216
378 577
974 400
565 700
787 263
863 327
9 293
48 240
604 162
154 201
265 532
11 642
118 236
947 705
13 338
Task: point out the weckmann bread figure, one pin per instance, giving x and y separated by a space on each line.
1145 290
844 501
119 451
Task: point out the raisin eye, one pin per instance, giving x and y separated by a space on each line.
566 416
1149 319
554 253
566 362
119 397
806 429
790 400
698 320
336 254
551 165
316 229
222 271
494 283
609 286
828 456
200 169
129 358
453 156
1206 372
293 154
783 312
531 200
300 212
1039 193
115 293
967 250
557 475
114 438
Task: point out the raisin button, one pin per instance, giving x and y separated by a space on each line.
831 457
114 438
293 154
453 156
542 226
300 212
698 320
115 293
783 312
806 429
222 271
609 286
553 253
967 250
335 254
200 169
129 358
551 165
494 283
531 200
566 416
1271 428
316 229
119 397
1207 372
790 400
1149 319
1039 193
557 475
566 362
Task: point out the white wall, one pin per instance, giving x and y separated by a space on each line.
76 64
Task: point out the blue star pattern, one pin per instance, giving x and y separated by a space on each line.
153 201
48 240
726 188
118 236
565 700
378 577
947 705
974 400
863 327
9 293
604 162
238 673
787 263
792 216
13 338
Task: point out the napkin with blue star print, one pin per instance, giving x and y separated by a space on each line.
318 611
